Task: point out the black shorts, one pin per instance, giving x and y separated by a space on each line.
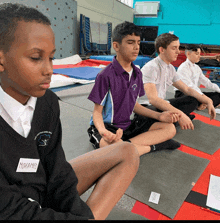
139 124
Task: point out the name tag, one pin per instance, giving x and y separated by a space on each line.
27 165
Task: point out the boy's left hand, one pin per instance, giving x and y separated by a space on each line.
169 116
211 111
119 134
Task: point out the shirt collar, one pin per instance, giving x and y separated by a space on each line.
13 107
162 63
119 69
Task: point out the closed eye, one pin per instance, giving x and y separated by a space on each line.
36 58
39 58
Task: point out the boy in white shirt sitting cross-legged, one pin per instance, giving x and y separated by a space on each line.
191 74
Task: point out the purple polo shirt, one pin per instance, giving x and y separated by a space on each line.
117 95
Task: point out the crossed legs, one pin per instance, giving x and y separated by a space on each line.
112 168
157 133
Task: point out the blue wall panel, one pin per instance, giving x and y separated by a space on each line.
192 21
215 12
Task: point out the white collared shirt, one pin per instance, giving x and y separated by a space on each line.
191 74
159 73
18 116
130 73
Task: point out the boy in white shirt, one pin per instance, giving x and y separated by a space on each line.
159 74
191 74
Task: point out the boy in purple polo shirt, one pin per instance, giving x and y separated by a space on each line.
115 93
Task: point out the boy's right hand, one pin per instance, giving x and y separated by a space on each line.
110 137
185 122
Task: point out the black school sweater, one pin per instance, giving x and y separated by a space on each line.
52 188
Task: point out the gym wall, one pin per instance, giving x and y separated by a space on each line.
192 21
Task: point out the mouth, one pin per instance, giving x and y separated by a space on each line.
45 85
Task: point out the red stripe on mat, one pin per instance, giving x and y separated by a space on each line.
213 168
206 119
145 210
190 211
195 152
84 63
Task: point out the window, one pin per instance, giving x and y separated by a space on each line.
127 2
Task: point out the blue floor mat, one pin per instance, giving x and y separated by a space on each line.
86 73
140 60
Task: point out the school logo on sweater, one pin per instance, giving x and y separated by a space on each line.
42 138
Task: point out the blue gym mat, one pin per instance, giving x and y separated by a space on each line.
86 73
141 60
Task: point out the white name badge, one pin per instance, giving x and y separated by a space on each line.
154 197
27 165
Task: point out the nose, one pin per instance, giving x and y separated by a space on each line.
136 46
48 68
178 51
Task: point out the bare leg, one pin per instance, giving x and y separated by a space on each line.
158 132
112 168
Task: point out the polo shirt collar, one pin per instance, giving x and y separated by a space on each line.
13 107
162 63
119 69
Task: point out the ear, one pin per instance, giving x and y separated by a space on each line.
161 49
188 53
1 61
115 46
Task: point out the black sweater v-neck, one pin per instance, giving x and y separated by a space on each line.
50 193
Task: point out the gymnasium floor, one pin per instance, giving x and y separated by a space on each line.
76 111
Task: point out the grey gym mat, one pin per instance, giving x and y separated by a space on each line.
75 122
204 137
80 101
122 214
78 96
206 114
169 173
75 91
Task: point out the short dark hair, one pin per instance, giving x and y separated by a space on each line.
124 29
164 40
10 14
192 47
